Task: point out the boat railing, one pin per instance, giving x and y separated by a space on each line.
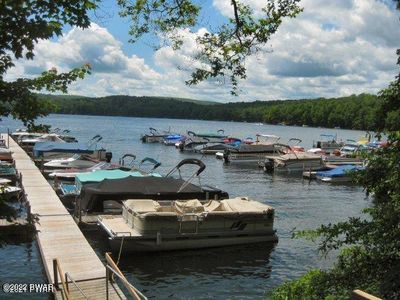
111 270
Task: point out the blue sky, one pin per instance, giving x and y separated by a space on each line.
334 48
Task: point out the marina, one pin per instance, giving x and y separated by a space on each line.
303 199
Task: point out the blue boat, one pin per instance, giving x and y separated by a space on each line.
339 174
171 140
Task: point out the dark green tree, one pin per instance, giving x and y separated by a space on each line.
22 25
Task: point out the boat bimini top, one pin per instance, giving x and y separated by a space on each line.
156 188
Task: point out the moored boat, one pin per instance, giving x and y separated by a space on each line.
339 174
148 225
293 162
252 153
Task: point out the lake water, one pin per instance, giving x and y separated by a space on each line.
245 272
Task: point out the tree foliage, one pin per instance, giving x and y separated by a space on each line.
22 25
353 112
222 52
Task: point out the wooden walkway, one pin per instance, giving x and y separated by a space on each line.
59 236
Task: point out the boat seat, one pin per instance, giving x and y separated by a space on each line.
212 205
141 206
188 206
243 204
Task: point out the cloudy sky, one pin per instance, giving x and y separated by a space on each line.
333 48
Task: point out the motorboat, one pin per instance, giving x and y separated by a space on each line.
149 225
328 143
172 139
28 143
154 136
213 148
194 140
350 148
69 174
77 161
69 191
255 152
7 191
55 150
339 174
106 196
116 172
293 162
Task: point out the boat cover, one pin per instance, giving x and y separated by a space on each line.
43 147
100 175
339 171
156 188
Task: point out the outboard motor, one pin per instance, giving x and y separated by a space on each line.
108 157
181 146
269 165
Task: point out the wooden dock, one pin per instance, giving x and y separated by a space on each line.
59 237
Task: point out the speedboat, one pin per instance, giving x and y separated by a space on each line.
253 153
56 150
340 174
149 225
77 161
172 139
29 143
107 196
69 174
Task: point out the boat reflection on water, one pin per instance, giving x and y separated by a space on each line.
245 260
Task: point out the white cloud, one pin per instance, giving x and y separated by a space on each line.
333 48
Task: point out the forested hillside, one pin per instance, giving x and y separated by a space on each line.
353 112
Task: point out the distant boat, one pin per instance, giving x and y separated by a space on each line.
338 174
254 152
154 136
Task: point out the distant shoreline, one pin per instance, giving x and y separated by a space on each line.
357 112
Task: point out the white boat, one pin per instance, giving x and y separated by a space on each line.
328 143
252 153
78 161
148 225
293 162
29 143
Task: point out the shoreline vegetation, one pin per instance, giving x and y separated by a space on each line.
358 112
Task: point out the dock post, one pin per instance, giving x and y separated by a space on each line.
41 165
107 279
55 273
